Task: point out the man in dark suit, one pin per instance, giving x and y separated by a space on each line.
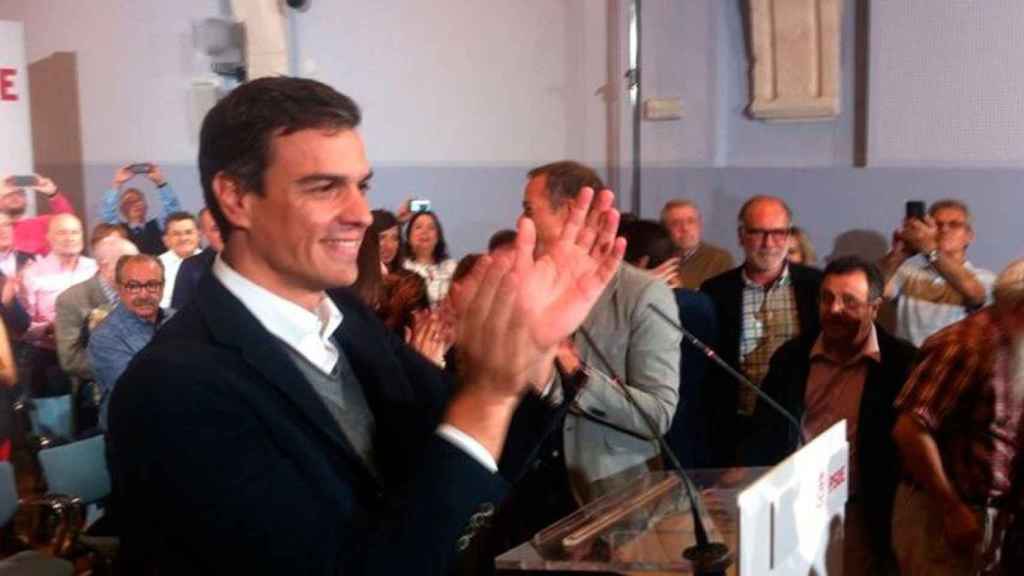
269 429
852 370
195 267
760 305
15 317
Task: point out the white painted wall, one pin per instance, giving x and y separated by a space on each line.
946 83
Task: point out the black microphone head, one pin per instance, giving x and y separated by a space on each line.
709 557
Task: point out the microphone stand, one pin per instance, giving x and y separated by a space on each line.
713 356
705 556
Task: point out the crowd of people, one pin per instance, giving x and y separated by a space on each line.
273 373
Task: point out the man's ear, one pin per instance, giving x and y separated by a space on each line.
233 200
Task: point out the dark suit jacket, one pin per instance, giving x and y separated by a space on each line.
878 461
149 239
227 462
686 437
726 432
190 272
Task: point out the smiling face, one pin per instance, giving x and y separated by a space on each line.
182 237
423 237
764 236
65 235
133 206
302 234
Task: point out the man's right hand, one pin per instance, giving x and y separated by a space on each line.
962 529
513 313
123 175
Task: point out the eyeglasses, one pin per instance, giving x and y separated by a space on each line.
136 287
776 235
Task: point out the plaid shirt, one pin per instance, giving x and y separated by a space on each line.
961 393
770 318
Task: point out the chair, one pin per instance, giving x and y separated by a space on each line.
31 562
78 471
49 419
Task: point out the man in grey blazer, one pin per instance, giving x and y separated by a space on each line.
75 304
605 440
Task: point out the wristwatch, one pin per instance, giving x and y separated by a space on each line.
932 256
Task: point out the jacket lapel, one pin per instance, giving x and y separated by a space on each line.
232 325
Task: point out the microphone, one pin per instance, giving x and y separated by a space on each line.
705 556
707 351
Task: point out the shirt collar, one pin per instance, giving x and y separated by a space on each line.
281 317
781 281
869 350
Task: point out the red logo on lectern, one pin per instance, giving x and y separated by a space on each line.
7 92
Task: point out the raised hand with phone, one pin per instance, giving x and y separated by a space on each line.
128 205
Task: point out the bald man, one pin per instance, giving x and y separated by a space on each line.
43 281
76 303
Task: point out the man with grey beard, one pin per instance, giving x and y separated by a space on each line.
958 432
129 326
760 305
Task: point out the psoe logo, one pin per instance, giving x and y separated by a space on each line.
7 86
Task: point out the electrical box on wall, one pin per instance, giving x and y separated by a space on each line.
663 108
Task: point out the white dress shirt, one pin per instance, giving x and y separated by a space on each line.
171 262
310 333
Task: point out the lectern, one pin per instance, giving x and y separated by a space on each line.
786 520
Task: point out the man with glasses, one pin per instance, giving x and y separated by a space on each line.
945 287
130 325
129 206
760 305
852 370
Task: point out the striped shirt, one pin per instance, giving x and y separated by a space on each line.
960 392
770 318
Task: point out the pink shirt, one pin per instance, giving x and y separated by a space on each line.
30 233
42 282
834 390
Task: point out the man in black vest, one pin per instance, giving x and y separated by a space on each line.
761 304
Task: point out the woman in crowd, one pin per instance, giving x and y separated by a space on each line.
388 231
427 254
800 250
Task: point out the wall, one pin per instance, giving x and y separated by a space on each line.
946 83
460 97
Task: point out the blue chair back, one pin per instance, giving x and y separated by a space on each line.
51 417
8 493
77 469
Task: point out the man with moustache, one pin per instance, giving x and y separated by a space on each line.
852 370
760 305
130 325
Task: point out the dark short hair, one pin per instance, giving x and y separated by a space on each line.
440 250
465 266
565 179
849 264
238 131
133 258
500 239
179 216
647 238
383 220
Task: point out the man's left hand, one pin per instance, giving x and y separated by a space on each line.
920 235
46 186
